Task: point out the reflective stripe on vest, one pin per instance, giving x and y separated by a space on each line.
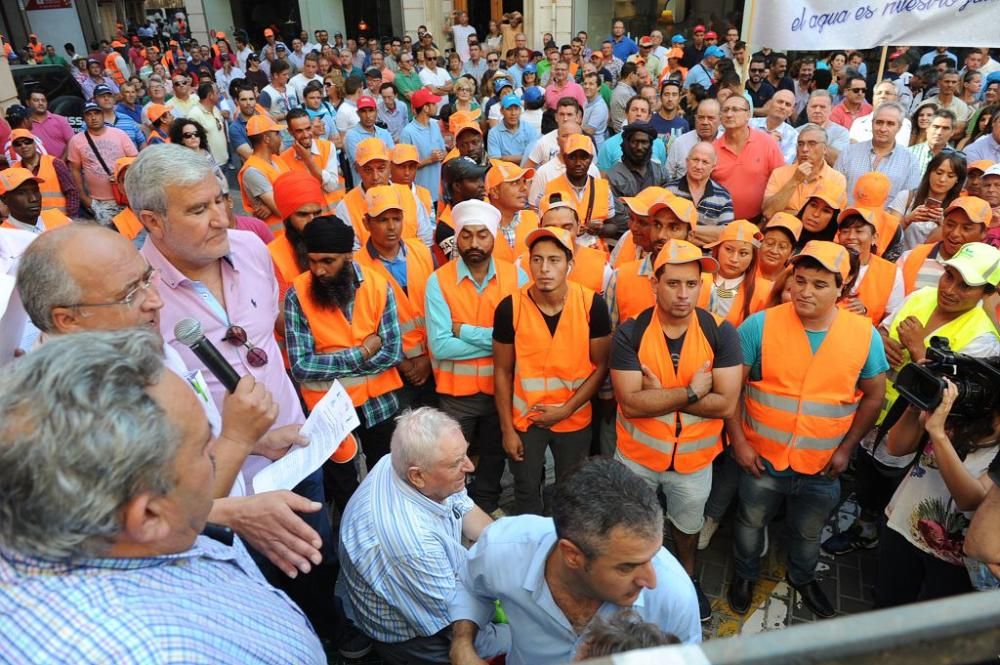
914 266
52 194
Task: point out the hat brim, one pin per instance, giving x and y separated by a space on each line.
823 262
970 276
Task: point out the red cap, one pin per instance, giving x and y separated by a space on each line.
711 35
366 102
645 41
423 97
698 28
896 54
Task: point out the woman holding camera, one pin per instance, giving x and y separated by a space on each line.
920 547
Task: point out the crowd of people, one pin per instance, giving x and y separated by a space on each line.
685 296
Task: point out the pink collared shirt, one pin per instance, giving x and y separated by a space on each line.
570 89
54 132
251 293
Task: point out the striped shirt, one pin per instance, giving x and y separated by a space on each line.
131 128
400 554
716 205
208 604
308 365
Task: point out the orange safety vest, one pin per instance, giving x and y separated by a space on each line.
549 369
876 287
357 208
271 171
475 375
804 403
588 268
633 292
112 68
914 262
424 195
127 223
627 251
321 160
528 223
52 219
333 332
409 303
677 440
52 194
887 225
286 263
761 291
600 188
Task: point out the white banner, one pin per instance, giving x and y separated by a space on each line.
810 25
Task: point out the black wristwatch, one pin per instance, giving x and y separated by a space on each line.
692 395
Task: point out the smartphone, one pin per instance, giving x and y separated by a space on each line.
932 203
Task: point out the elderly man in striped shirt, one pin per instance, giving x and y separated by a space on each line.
401 542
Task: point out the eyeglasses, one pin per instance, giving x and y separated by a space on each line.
181 82
237 336
189 135
859 90
132 297
492 59
327 84
21 143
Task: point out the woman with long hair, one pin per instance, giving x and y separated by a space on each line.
494 38
921 210
971 83
331 85
191 135
736 290
920 121
819 215
979 124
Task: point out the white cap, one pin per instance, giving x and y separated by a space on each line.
475 213
993 170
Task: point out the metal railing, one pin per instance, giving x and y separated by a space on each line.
960 630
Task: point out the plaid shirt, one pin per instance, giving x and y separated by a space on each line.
308 365
900 165
209 604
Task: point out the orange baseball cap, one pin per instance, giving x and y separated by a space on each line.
121 164
872 190
833 196
474 126
678 252
552 201
156 111
382 198
459 118
741 230
830 255
501 171
870 215
117 44
12 178
980 164
675 53
561 236
579 142
261 123
787 221
974 207
369 150
403 153
268 32
648 201
21 134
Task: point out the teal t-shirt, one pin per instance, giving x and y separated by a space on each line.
752 335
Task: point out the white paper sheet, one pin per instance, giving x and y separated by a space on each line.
327 426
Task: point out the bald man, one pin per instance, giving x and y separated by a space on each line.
777 112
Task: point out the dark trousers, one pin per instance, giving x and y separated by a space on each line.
477 415
908 575
875 483
568 449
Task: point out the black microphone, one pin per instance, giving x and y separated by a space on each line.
188 332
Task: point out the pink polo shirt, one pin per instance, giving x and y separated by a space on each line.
571 89
55 133
745 175
251 294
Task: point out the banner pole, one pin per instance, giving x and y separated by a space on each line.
881 64
746 32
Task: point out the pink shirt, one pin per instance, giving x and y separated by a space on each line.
112 144
571 89
251 294
255 226
845 118
54 132
745 175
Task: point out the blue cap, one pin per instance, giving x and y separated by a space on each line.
102 89
91 106
533 94
714 52
677 39
510 100
530 67
500 84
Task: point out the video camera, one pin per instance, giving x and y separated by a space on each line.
977 380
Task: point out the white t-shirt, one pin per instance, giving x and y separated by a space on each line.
545 148
461 34
299 82
437 79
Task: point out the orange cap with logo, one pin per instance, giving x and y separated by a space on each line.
741 230
832 195
678 252
830 255
787 221
579 142
870 215
648 201
976 208
872 190
382 198
12 178
502 171
561 236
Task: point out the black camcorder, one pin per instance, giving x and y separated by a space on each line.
977 380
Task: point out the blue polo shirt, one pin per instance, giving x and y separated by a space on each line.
356 135
624 48
396 266
238 133
503 141
427 139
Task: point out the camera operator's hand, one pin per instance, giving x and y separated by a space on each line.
912 334
934 422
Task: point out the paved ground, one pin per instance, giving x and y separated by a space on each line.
847 581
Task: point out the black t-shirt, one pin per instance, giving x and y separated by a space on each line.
723 339
503 320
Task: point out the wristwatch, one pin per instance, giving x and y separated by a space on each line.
692 395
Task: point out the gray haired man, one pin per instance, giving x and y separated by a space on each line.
106 461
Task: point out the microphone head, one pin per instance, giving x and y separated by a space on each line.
188 331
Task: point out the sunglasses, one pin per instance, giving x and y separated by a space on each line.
181 82
756 71
190 135
237 336
20 143
948 150
860 90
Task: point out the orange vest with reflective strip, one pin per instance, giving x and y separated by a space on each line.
409 304
112 68
333 332
321 160
914 262
549 369
625 251
600 210
876 287
127 223
52 219
633 292
528 223
761 291
271 172
468 377
52 194
676 440
357 208
803 405
588 268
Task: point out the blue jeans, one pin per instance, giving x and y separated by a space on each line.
811 499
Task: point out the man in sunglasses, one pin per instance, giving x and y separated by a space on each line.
57 188
183 100
854 105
